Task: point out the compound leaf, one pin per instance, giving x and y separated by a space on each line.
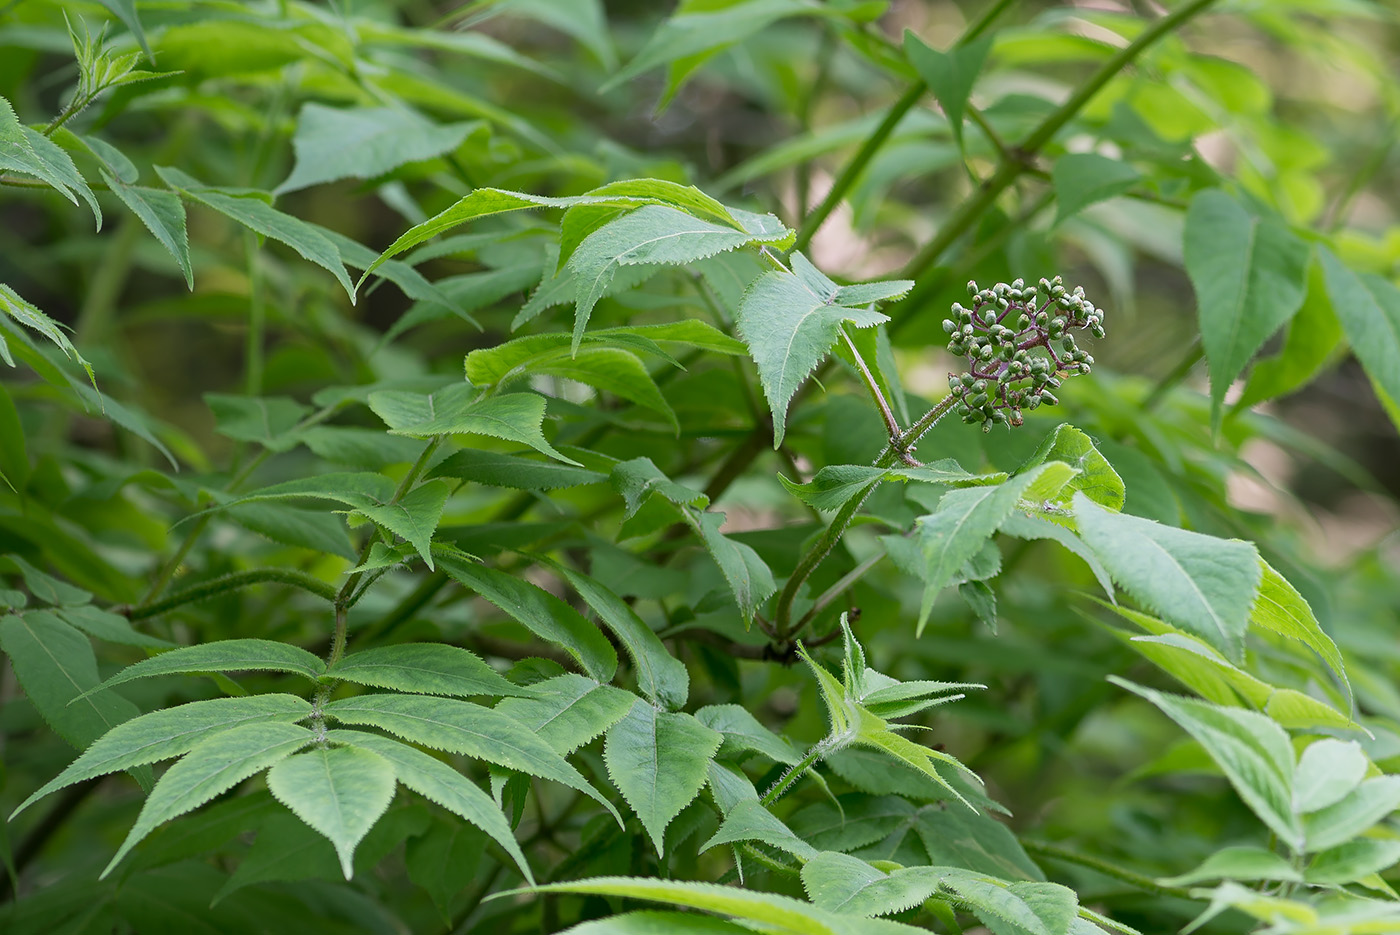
424 669
338 791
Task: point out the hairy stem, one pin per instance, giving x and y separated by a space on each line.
232 582
794 772
1138 880
891 424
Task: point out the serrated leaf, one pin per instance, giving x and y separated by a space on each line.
850 886
646 922
1327 772
321 532
465 728
1368 307
109 627
12 304
240 655
790 322
519 473
834 484
541 612
254 213
167 733
959 837
650 235
750 821
1027 526
1361 808
1096 478
363 142
949 75
1204 584
425 669
1249 275
658 762
1238 863
164 216
1349 862
440 783
56 668
636 480
743 734
965 519
612 370
749 578
1083 179
216 764
414 516
1016 908
662 677
852 821
32 153
569 710
514 417
1251 750
338 791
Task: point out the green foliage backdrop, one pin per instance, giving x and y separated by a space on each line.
796 466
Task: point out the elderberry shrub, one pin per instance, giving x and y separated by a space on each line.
1012 369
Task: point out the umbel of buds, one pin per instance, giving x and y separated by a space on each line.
1019 346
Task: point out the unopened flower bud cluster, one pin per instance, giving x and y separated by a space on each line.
1019 348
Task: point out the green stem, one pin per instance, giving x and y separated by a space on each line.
891 424
257 315
836 590
232 582
1193 356
818 750
1138 880
105 287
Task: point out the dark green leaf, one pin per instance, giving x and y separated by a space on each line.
424 668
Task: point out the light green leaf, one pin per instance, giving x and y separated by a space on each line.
338 791
750 821
268 421
1083 179
164 216
465 728
662 677
1201 583
1096 477
1027 526
216 764
542 613
1249 274
850 886
1369 309
495 469
169 732
743 734
1341 821
965 519
1327 772
650 235
32 153
834 484
240 655
569 710
789 322
109 627
28 315
125 10
56 668
646 922
949 75
1281 609
363 142
1238 863
612 370
1314 338
414 516
658 760
254 213
514 417
425 669
1251 750
1016 908
749 578
440 783
1349 862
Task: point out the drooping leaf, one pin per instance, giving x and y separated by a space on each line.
338 791
1083 179
514 417
658 762
851 886
1349 862
214 765
1251 750
662 677
503 470
440 783
363 142
1369 309
750 821
254 213
569 710
1249 274
1314 338
1238 863
425 669
1281 609
1204 584
949 75
789 322
31 317
237 655
164 216
125 10
32 153
58 671
465 728
541 612
1096 477
170 732
1016 908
